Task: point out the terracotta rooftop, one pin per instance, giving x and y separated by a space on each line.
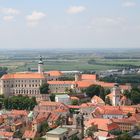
103 124
88 77
6 134
29 134
19 112
97 100
61 82
55 73
23 76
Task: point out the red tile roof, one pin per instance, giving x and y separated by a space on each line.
55 73
6 134
74 106
88 77
23 76
103 124
84 84
74 98
19 112
97 100
61 82
29 134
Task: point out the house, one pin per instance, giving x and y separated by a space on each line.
57 134
6 135
109 112
29 135
64 98
126 124
41 118
62 133
102 124
48 106
103 135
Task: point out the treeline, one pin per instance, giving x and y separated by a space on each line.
98 91
94 62
66 78
122 79
20 102
121 57
133 95
3 70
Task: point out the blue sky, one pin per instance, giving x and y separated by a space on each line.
46 24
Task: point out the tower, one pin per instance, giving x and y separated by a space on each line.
116 95
40 65
78 77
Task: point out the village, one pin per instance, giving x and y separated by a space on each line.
45 106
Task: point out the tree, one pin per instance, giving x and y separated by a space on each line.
107 100
52 97
44 88
129 114
90 131
124 137
133 95
95 90
20 102
74 138
74 102
44 127
107 91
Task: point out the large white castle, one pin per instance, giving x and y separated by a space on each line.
28 83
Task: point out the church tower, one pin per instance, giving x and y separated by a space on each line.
40 65
116 95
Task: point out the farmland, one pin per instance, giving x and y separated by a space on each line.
95 60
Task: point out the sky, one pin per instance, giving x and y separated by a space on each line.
46 24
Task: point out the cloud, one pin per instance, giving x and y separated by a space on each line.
35 18
129 4
8 18
75 9
9 11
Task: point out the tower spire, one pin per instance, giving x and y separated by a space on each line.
40 65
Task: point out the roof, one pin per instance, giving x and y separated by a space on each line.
74 98
55 73
88 77
62 96
97 100
103 124
84 84
6 134
49 103
125 121
61 82
73 106
39 120
25 75
29 134
19 112
58 104
58 131
88 104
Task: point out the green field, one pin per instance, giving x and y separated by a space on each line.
68 60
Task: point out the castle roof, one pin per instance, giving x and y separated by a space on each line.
55 73
25 75
88 77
